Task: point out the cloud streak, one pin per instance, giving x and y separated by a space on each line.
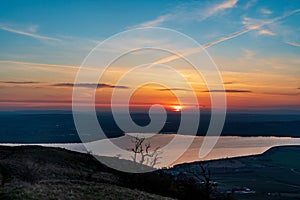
228 83
44 65
266 32
266 11
282 93
225 38
156 22
222 6
293 44
89 85
184 12
34 101
33 35
20 82
230 91
86 85
174 89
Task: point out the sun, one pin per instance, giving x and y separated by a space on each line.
177 108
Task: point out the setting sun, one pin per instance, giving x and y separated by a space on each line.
177 108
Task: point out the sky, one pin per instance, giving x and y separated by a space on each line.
255 44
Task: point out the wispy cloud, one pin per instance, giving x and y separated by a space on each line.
228 83
190 11
20 82
33 28
85 85
89 85
282 93
266 11
207 45
230 91
29 34
173 89
249 4
250 27
156 22
38 64
34 101
293 43
222 6
266 32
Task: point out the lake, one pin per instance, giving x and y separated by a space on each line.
227 146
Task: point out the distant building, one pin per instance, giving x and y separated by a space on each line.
241 190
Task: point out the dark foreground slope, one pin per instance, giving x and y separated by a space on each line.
34 172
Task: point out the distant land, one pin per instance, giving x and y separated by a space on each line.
58 126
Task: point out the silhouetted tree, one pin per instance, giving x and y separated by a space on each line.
206 177
143 153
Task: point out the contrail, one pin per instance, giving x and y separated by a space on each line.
46 65
37 64
222 39
34 35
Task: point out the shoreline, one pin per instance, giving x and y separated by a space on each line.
226 147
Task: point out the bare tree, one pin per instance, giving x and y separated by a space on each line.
143 153
206 177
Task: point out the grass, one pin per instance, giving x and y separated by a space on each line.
53 173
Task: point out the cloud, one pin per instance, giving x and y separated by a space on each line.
293 43
190 11
282 93
207 45
41 64
34 101
33 28
29 34
86 85
249 4
156 22
251 26
174 89
230 91
228 83
266 32
222 6
20 82
89 85
266 11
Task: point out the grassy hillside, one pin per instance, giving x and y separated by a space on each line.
33 172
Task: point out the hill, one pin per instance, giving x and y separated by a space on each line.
35 172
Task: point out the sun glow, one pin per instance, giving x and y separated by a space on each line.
177 108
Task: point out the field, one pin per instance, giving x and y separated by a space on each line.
272 175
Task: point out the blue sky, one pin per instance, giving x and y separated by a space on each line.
78 21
